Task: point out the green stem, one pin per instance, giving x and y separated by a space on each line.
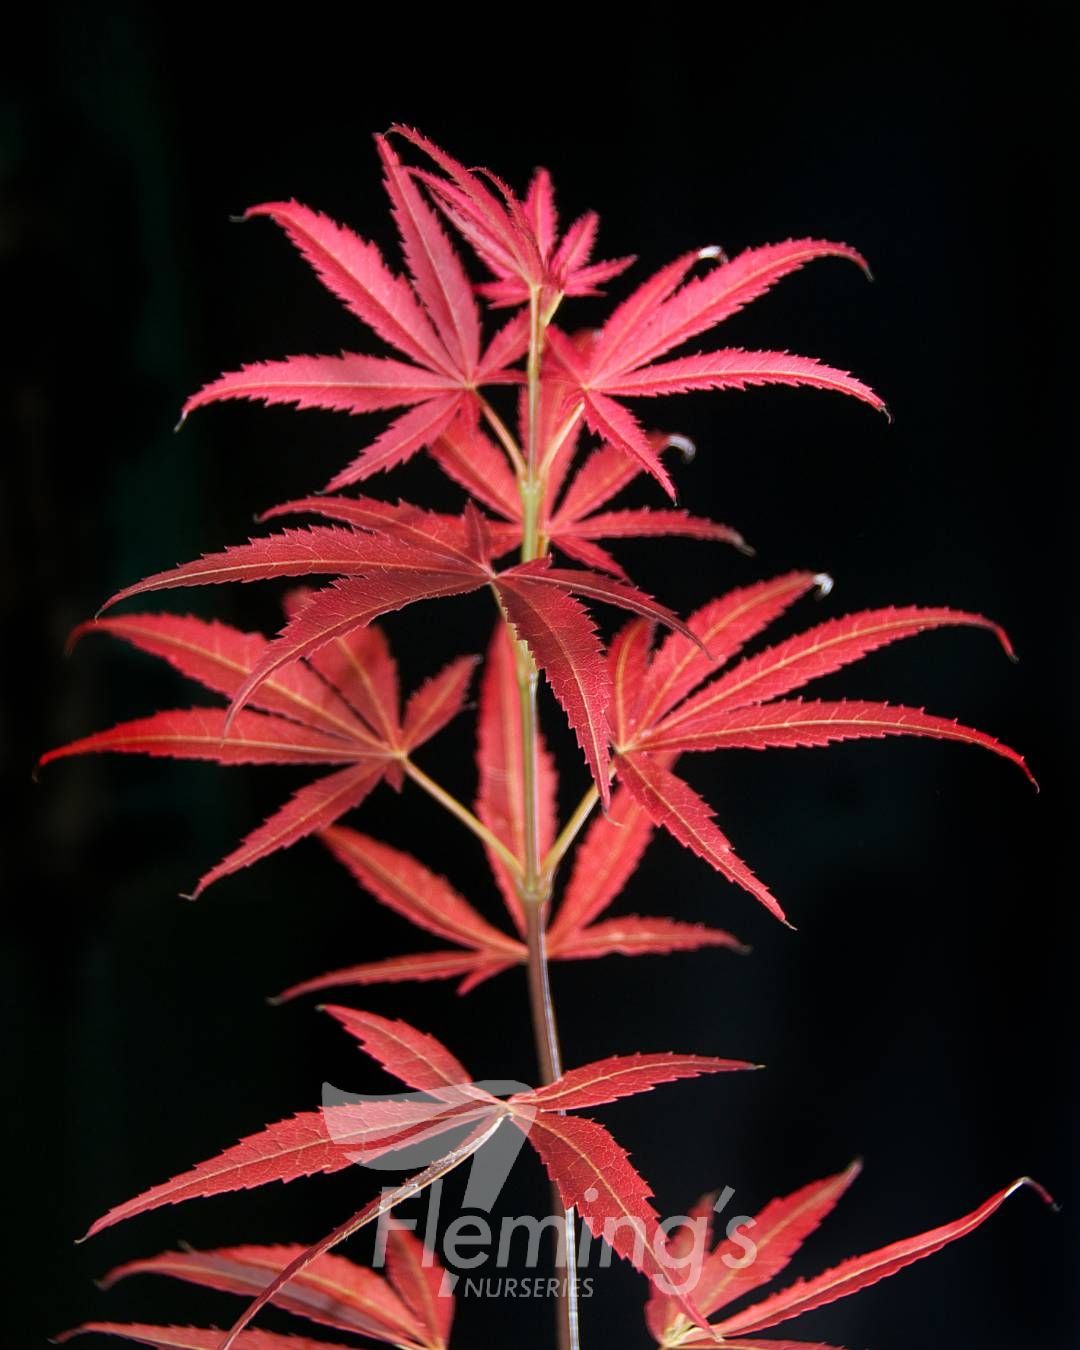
569 833
560 436
461 812
506 439
534 887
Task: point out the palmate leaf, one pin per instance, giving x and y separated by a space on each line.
592 1171
404 885
576 523
660 716
537 601
331 1139
431 319
402 556
629 935
861 1271
664 314
778 1232
342 710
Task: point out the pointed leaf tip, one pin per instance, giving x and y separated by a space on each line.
1039 1189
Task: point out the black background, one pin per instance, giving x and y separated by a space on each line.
921 1017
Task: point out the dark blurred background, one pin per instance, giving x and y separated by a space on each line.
922 1015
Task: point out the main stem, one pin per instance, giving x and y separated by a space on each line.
535 885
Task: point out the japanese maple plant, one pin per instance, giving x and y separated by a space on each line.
528 416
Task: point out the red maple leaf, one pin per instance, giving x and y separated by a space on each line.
657 715
667 311
602 866
431 319
398 555
340 708
729 1271
593 1173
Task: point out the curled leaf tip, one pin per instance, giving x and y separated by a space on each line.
685 446
77 632
1039 1189
823 583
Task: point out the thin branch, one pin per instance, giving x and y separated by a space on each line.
459 810
506 439
569 833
